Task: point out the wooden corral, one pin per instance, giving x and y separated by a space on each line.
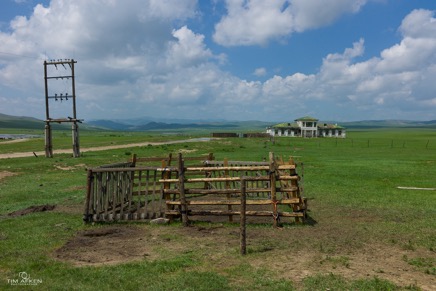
196 187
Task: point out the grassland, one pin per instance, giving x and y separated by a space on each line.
363 233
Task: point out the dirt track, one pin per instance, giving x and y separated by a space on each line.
96 149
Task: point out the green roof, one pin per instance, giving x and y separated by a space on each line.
306 118
286 124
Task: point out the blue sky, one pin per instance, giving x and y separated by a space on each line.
340 60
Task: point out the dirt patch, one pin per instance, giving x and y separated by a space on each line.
32 209
69 208
4 174
106 246
66 168
185 151
70 168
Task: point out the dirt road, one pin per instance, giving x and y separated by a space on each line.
96 149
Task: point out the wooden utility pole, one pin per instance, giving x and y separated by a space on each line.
68 66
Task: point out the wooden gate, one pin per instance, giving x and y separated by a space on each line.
130 190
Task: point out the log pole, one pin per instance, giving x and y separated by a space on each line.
184 207
243 219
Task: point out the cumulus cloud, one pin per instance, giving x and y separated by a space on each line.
396 82
398 79
253 22
309 14
189 48
144 59
256 22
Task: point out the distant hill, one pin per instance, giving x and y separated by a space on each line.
24 122
367 124
128 125
150 124
9 121
108 124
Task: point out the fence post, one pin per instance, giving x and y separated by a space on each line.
133 160
243 219
272 178
227 185
184 208
89 189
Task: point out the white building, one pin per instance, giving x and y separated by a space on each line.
307 127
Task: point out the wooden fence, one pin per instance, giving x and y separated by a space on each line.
131 191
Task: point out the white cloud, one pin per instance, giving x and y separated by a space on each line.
419 24
189 49
417 48
253 22
256 22
259 72
309 14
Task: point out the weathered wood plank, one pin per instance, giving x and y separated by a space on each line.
233 212
236 202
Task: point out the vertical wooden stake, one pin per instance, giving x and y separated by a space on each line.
227 184
243 234
182 191
165 186
272 170
89 192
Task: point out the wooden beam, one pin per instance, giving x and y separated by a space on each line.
236 202
227 213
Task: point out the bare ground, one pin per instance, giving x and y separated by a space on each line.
4 174
292 252
32 209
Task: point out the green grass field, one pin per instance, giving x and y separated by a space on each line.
363 233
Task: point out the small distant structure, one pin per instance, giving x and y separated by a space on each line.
225 134
307 127
241 135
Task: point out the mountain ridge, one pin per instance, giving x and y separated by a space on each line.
154 124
